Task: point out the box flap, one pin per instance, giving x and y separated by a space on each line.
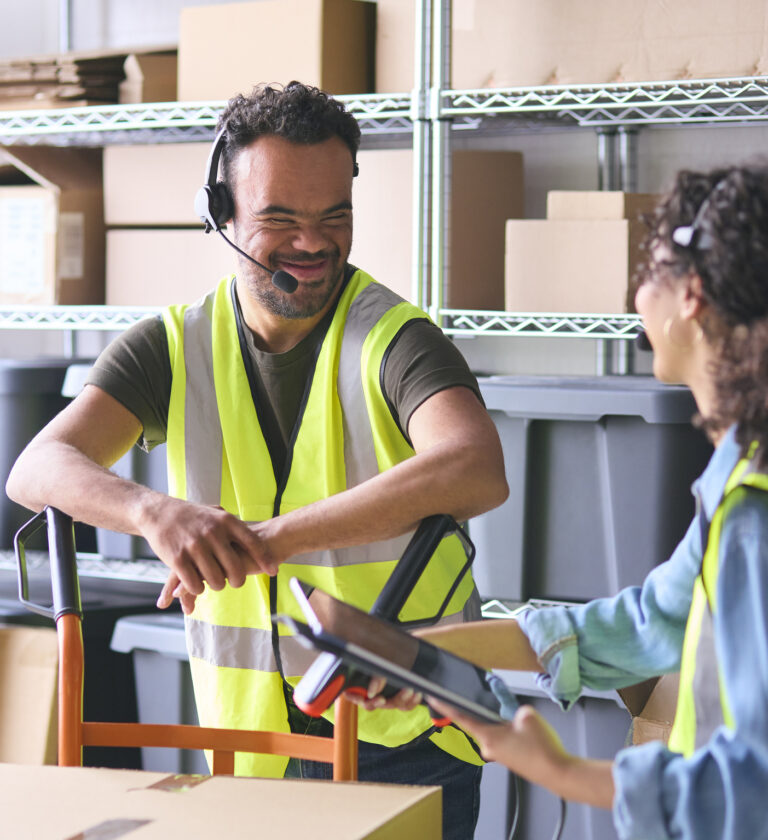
28 692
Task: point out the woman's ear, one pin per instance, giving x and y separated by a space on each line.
693 303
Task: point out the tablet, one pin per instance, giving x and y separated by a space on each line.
376 647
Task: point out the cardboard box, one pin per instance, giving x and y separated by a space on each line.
652 705
571 266
506 43
227 49
599 204
487 189
51 226
153 184
149 77
157 267
90 802
28 692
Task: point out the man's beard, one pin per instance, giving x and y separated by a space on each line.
285 305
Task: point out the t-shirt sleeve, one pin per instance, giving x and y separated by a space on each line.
421 362
135 369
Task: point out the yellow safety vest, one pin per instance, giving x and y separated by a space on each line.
702 701
217 454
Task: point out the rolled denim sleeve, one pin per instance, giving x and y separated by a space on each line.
720 791
614 642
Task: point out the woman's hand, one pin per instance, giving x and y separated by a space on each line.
532 749
527 744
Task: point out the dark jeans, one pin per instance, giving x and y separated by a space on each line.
418 763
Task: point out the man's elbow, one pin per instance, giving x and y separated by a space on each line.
21 481
497 489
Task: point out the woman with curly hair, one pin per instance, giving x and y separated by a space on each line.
703 297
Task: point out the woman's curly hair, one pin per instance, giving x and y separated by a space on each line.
728 209
298 112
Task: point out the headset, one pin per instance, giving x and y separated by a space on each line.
215 207
692 236
213 201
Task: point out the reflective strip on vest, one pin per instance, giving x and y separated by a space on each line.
202 430
702 703
251 647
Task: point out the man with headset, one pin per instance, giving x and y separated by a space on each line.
312 419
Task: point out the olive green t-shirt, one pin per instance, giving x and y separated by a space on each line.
135 369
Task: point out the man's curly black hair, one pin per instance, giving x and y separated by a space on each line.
298 112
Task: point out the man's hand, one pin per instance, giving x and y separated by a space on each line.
406 699
202 544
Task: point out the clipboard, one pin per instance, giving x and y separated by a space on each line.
375 647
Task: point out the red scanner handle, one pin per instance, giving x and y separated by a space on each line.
320 702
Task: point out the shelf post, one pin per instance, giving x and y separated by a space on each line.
607 176
628 158
422 171
441 157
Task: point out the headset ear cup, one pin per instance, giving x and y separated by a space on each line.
222 206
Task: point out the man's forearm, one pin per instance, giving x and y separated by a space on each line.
58 474
440 480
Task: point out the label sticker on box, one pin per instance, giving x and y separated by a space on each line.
23 224
71 245
110 830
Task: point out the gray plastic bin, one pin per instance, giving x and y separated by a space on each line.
30 396
599 470
164 691
597 726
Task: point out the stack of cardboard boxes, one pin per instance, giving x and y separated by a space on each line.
487 189
509 43
581 258
229 48
157 253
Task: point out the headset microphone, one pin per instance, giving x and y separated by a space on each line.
641 341
214 206
281 279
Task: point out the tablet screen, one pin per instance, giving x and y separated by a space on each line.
412 661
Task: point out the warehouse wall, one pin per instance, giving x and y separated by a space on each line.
94 24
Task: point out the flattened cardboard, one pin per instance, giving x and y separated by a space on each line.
487 189
28 694
227 49
81 802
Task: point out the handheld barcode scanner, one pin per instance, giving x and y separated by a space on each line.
328 675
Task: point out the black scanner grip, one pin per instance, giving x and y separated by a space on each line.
328 676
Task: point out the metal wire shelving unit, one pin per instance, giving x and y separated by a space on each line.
428 116
171 122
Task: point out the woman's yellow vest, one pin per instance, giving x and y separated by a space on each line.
346 434
702 702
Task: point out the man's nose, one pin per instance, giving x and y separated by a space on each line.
310 238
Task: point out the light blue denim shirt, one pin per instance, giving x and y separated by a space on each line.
721 791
